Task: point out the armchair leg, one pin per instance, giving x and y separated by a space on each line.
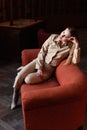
80 128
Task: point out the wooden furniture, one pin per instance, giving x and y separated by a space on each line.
22 34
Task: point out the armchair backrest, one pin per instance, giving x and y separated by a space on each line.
70 73
42 36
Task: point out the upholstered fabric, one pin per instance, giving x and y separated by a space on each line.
28 55
42 36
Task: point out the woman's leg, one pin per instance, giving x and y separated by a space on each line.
33 78
29 68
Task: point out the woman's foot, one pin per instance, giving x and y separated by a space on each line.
15 98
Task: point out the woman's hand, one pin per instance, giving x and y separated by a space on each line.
39 73
20 68
74 41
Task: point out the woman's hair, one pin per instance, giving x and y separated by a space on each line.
73 32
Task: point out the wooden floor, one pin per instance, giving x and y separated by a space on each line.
12 119
9 120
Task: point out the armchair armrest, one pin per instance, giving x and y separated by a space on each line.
28 55
52 96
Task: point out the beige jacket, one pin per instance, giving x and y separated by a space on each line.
52 52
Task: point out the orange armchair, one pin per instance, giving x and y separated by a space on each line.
58 103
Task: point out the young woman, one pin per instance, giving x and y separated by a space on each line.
55 49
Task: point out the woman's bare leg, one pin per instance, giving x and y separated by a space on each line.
29 68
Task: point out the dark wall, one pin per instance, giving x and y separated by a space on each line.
41 8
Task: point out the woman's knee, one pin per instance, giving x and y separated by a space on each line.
32 79
27 79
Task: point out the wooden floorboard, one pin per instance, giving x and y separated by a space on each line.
9 119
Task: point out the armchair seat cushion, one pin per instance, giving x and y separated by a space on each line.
29 90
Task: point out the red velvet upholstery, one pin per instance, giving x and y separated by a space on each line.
57 104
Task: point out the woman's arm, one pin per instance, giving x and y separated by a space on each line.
76 52
74 55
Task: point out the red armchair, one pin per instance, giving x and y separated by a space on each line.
57 104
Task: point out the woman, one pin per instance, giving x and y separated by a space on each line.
55 49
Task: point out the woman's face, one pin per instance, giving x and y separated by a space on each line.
65 35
